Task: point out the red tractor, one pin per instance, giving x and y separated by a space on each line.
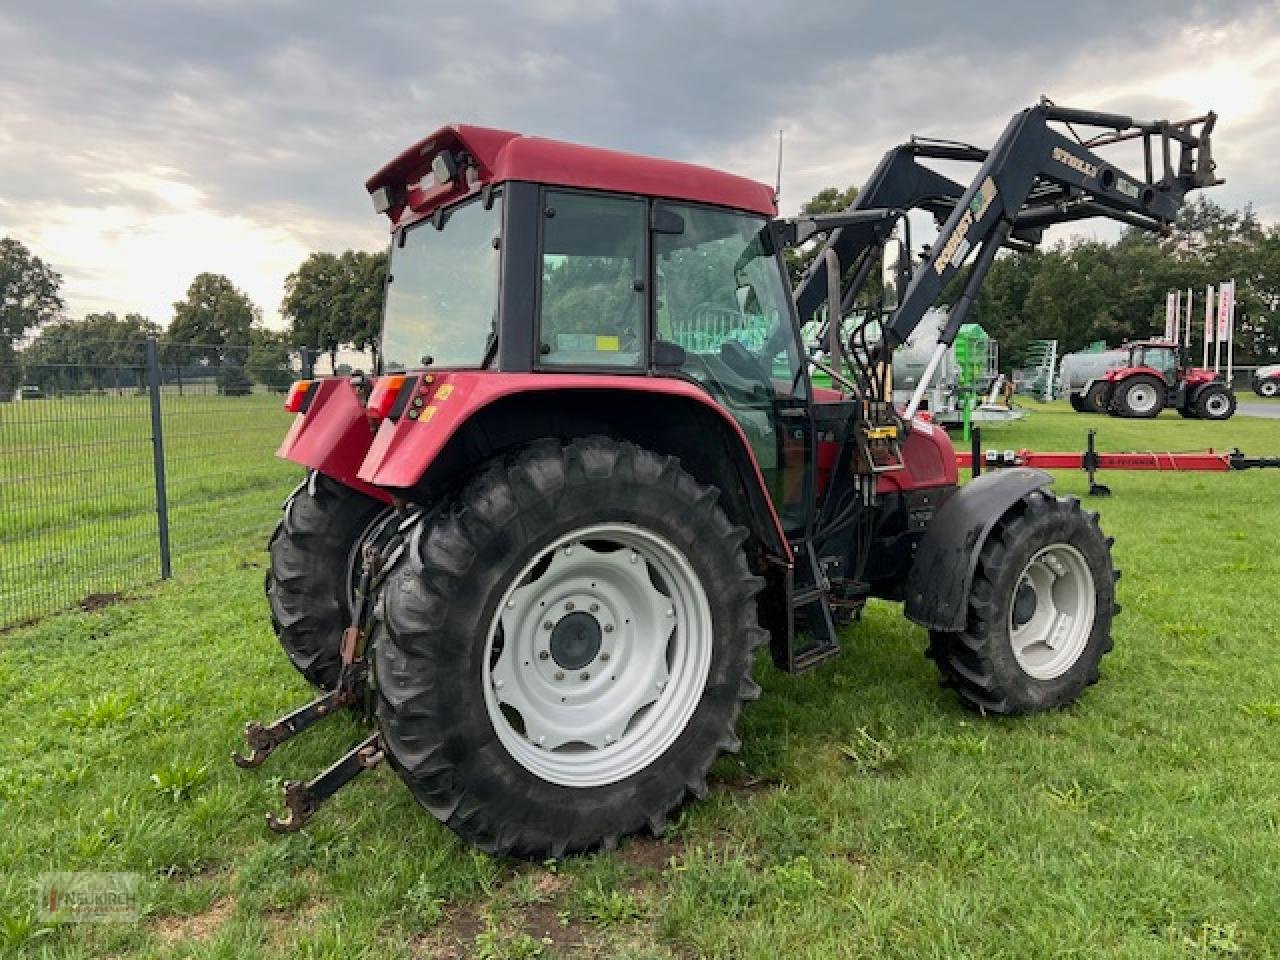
1155 377
541 547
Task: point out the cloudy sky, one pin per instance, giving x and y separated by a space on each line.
143 141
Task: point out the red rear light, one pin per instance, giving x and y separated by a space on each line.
382 400
296 399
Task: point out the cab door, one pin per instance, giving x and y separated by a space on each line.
721 295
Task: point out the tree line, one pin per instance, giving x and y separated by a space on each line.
331 301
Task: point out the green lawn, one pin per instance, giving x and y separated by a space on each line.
867 816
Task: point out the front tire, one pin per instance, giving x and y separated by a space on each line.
1268 388
309 581
1215 403
563 651
1039 611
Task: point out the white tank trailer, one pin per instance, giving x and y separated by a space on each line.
944 399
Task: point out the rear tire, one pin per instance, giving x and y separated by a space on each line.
307 583
1215 402
475 680
1097 397
1140 397
1039 611
1077 402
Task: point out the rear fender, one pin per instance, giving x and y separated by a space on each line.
467 417
942 573
333 435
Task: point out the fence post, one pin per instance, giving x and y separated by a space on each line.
157 450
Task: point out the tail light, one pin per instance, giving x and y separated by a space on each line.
389 395
296 399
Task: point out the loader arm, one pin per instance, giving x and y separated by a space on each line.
1034 177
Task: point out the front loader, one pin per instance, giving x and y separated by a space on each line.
541 546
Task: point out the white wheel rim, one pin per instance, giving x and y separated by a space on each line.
1270 389
1051 616
1216 404
598 655
1142 397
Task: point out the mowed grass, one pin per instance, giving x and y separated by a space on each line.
77 489
867 816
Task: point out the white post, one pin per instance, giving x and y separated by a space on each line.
1231 332
926 378
1189 302
1208 323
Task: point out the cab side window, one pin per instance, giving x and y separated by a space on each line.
593 281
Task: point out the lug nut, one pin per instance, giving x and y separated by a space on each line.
543 654
547 624
595 608
584 676
604 657
559 674
569 605
608 628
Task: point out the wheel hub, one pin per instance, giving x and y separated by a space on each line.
575 640
1052 613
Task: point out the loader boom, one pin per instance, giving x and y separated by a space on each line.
1035 176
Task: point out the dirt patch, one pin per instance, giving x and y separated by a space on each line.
96 601
283 925
745 787
453 938
650 853
197 926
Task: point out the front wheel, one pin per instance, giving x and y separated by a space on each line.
1039 611
562 652
1268 388
1216 403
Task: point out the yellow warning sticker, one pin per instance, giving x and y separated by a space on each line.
443 393
608 344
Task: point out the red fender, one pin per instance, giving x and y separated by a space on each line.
333 436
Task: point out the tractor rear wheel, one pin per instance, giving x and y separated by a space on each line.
315 566
562 651
1140 396
1077 402
1215 402
1039 611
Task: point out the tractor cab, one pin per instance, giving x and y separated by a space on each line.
1166 359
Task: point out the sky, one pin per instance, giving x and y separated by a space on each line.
144 142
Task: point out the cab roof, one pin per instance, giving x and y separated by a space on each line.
501 155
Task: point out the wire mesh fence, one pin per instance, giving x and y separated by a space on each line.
115 471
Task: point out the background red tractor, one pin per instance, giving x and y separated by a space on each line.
1157 376
542 546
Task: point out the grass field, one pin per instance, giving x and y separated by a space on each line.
78 512
867 815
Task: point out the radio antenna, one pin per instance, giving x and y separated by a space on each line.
777 185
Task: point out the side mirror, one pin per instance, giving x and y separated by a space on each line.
896 264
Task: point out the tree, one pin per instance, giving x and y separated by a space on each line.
333 301
211 326
99 352
268 362
827 200
28 297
